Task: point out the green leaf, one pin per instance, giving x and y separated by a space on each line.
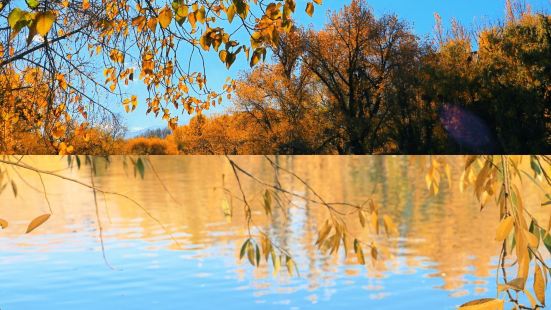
33 4
251 253
243 249
140 167
257 250
547 242
15 16
14 188
534 164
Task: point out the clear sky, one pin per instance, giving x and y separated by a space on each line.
419 13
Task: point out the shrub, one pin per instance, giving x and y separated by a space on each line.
150 146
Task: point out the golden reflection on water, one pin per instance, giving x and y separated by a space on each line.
447 233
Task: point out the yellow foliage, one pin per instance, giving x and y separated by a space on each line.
150 146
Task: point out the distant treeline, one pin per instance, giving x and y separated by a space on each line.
365 85
368 85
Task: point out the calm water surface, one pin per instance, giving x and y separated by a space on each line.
444 257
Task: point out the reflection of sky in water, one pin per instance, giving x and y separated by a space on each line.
72 275
443 259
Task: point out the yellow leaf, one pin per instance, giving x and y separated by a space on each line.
539 285
165 17
448 174
374 252
517 284
375 222
255 59
483 304
530 298
290 265
200 15
117 56
359 252
504 228
266 246
223 55
533 241
152 24
3 223
58 131
85 4
310 8
230 12
61 81
390 227
276 261
268 203
37 222
324 231
44 22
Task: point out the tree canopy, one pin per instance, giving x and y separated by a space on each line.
362 84
66 43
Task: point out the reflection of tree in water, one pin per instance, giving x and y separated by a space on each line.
447 229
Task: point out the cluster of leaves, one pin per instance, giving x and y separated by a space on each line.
333 235
497 179
253 252
68 40
38 23
494 179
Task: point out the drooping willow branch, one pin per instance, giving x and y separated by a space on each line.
92 187
332 235
497 176
490 176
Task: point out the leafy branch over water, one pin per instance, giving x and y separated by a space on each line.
496 181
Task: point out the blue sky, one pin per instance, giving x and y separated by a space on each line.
419 13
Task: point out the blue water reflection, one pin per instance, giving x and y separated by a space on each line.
444 257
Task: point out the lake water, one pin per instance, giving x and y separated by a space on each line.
445 254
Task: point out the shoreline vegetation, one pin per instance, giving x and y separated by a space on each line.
361 85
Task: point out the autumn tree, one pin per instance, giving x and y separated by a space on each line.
505 83
357 58
284 99
162 43
227 134
23 111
